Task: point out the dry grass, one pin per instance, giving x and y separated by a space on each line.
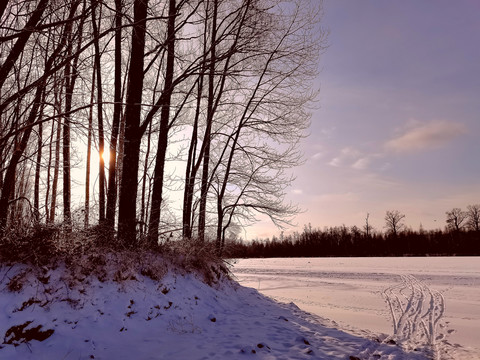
96 253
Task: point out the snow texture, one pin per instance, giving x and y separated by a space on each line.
427 305
54 314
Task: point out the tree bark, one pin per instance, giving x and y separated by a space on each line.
71 75
53 205
89 152
128 191
117 112
164 127
192 167
36 190
67 214
3 6
101 136
206 156
143 209
192 164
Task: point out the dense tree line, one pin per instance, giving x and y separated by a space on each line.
218 88
397 240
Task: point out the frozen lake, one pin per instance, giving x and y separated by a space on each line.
363 293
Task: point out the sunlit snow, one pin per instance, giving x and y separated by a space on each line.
416 301
79 316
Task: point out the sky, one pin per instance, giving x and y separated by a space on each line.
397 119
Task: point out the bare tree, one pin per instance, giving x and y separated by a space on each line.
101 136
128 190
272 112
212 58
71 75
456 219
254 183
394 222
34 83
237 73
117 112
367 227
164 126
36 191
56 166
89 152
473 217
9 179
135 131
259 86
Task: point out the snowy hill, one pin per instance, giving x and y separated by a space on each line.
120 307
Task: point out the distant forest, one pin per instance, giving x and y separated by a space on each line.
461 237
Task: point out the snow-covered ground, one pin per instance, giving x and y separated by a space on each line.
51 313
416 301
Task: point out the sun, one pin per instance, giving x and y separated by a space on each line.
105 155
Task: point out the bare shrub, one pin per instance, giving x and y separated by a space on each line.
95 252
195 255
36 244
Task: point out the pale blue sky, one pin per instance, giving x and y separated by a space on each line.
399 119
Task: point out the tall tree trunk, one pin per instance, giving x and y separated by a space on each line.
70 79
128 190
19 213
49 165
121 136
220 216
67 214
117 111
192 164
206 155
191 169
53 205
121 150
89 152
144 207
101 137
164 127
36 190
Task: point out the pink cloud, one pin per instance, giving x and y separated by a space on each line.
422 136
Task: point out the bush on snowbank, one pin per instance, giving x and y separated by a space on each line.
95 252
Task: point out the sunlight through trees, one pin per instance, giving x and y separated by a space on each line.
180 116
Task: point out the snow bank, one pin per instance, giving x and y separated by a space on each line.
55 313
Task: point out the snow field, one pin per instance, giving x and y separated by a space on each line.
436 310
175 317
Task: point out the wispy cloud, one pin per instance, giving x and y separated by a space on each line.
318 155
422 136
362 163
353 158
346 157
